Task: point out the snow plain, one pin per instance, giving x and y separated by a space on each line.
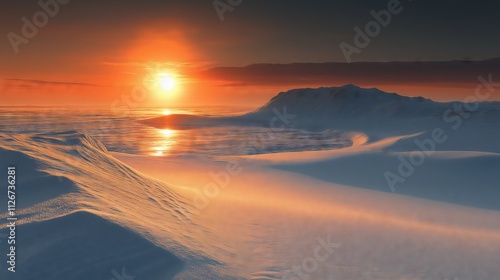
87 213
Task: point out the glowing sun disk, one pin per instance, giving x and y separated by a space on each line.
166 81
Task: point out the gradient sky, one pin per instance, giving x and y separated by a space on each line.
93 52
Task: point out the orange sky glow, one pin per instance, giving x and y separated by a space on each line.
94 61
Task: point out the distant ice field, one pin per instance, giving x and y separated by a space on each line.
126 135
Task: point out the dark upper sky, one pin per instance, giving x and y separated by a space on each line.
99 41
280 31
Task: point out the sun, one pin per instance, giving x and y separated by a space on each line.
166 81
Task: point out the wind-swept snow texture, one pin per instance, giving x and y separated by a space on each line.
85 215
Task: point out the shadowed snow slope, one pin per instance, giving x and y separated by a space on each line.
460 177
84 246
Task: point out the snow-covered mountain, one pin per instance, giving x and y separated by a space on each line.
351 101
332 107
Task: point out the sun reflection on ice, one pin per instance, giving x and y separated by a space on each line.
167 132
163 146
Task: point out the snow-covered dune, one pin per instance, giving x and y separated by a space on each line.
83 214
